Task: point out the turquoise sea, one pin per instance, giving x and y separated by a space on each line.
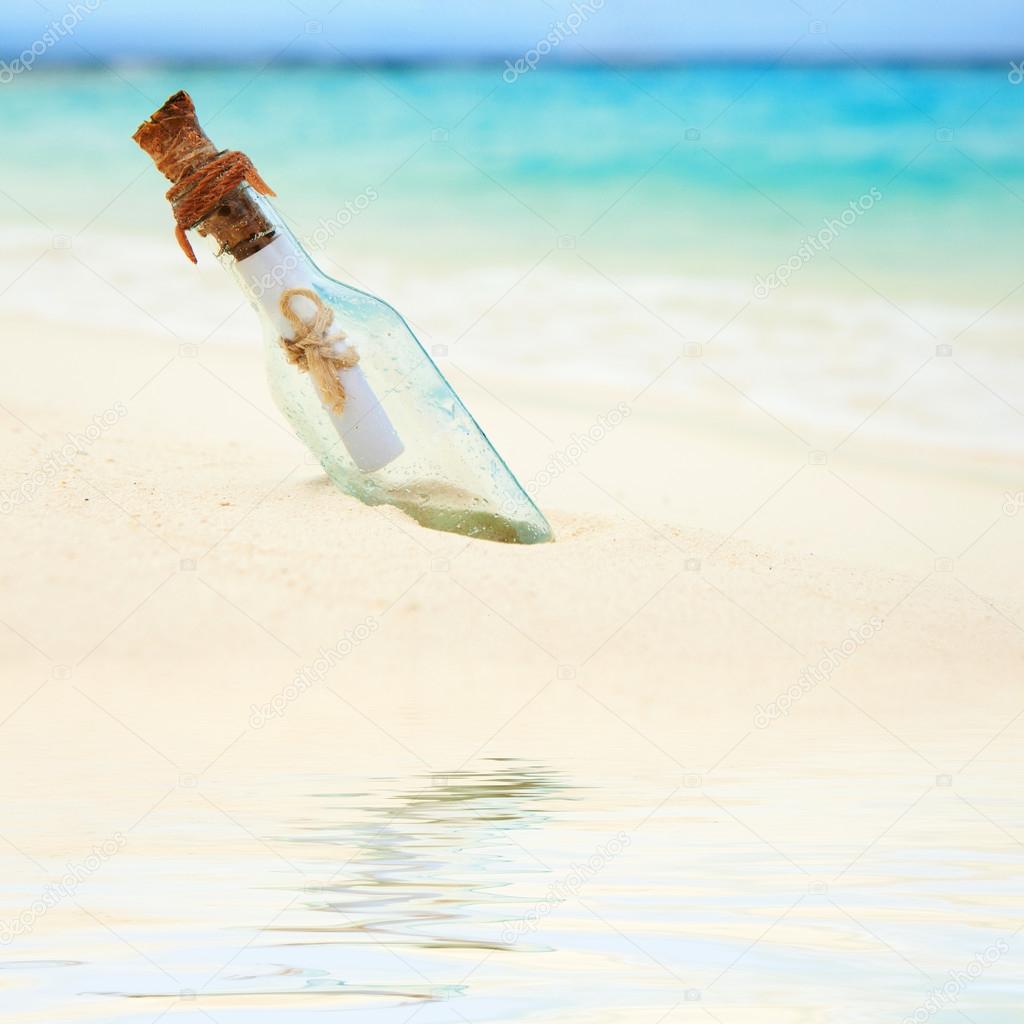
604 219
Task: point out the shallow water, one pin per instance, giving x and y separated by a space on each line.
595 224
517 890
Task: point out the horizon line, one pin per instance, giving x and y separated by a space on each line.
623 60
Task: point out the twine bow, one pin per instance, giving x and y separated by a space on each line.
315 350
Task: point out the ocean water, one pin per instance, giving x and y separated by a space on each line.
513 889
617 225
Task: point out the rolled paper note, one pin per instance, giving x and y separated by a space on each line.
363 424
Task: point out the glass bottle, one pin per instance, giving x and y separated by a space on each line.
403 438
344 367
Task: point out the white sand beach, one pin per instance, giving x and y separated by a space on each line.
703 557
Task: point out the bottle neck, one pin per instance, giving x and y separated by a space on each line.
281 264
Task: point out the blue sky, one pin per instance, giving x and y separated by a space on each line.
422 29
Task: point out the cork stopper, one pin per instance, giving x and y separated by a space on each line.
215 204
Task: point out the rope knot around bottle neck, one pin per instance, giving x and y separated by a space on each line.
315 349
195 195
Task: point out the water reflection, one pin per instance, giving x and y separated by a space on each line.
429 859
398 897
403 877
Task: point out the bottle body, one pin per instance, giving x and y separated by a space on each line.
402 437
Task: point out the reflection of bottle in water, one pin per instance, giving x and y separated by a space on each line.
430 858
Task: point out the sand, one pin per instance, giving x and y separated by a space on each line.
190 560
803 658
